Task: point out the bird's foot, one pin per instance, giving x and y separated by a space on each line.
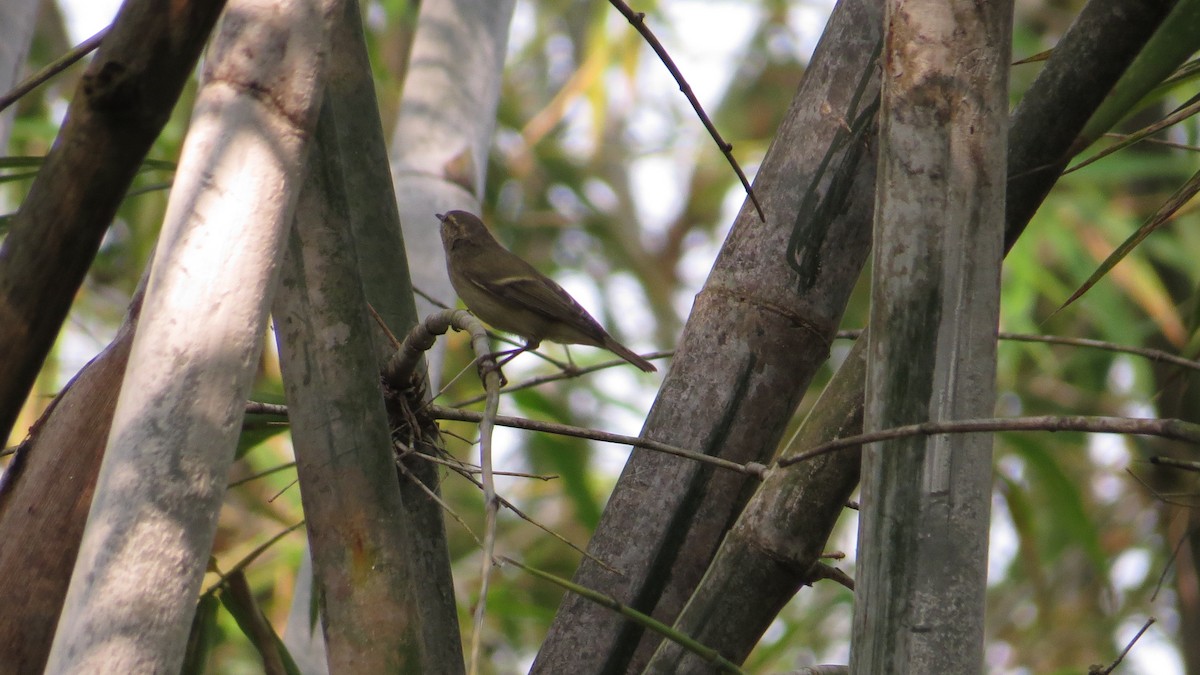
497 360
489 363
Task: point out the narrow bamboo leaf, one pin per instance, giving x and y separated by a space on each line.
11 177
1182 196
1183 74
1024 520
25 161
1142 283
566 458
156 187
1172 45
239 600
20 161
1036 58
1072 524
1184 112
202 636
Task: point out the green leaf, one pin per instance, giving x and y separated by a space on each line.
1175 41
568 458
202 637
1071 522
1164 213
238 599
1182 113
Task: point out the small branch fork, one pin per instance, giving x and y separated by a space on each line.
638 20
402 368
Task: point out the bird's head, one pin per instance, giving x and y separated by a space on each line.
461 228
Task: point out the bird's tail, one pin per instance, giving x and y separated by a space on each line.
626 353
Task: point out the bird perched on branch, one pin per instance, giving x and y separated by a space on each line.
508 293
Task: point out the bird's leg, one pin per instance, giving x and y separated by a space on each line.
511 354
499 359
488 363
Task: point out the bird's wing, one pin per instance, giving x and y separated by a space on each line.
539 294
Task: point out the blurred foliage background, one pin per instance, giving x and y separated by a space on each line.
601 175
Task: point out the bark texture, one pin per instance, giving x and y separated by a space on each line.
759 330
931 353
121 105
44 500
144 552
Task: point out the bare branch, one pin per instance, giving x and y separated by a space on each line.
1097 670
53 68
1175 463
1174 429
1152 354
638 19
750 469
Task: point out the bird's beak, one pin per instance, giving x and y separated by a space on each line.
440 216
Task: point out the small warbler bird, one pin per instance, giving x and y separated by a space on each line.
512 296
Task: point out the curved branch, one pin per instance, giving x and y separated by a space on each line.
638 19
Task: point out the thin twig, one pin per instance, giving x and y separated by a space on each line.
262 474
289 486
1170 563
448 413
1166 428
564 375
1175 463
638 19
711 656
430 299
53 68
750 469
465 469
383 325
1160 496
252 556
438 500
529 519
1097 670
1152 354
1156 141
491 383
260 408
450 383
